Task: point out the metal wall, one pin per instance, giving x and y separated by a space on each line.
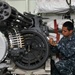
23 5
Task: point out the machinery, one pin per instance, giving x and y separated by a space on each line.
23 39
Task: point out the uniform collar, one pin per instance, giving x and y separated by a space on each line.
71 37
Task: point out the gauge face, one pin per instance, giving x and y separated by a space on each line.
3 47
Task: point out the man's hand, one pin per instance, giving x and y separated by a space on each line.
52 42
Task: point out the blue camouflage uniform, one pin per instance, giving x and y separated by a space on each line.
66 48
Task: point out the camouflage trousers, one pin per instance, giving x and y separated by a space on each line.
66 67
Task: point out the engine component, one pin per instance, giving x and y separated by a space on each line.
5 10
36 50
9 13
16 43
16 40
26 34
28 50
3 47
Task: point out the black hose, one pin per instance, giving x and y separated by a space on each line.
69 3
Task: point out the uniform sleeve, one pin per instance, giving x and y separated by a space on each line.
67 49
54 49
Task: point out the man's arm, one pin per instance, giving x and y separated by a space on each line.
67 49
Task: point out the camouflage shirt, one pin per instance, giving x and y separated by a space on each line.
66 47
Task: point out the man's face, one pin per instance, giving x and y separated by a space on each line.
66 32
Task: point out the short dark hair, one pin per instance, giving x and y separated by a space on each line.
69 25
